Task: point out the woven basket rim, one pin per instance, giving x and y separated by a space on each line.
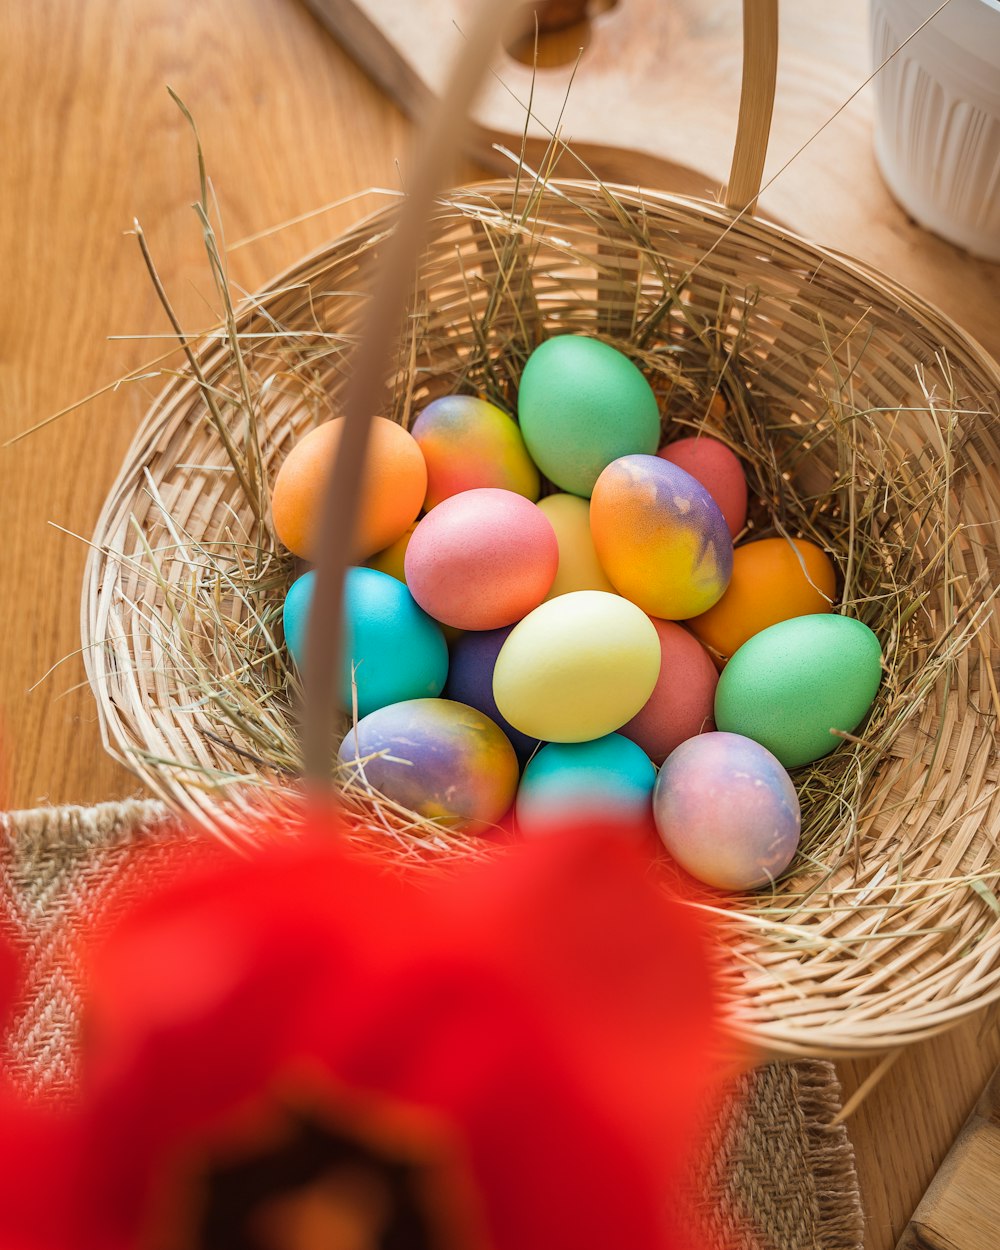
782 1036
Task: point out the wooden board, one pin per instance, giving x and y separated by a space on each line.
654 101
289 123
906 1124
961 1209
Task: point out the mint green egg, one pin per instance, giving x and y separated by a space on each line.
582 404
790 685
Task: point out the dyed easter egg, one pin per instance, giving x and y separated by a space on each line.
582 404
440 759
719 471
579 567
577 668
482 559
393 649
395 482
390 559
660 537
727 811
470 680
468 443
609 779
773 580
683 699
789 686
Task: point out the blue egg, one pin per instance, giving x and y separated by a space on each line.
607 779
470 681
393 648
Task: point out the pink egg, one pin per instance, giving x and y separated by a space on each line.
719 471
482 559
683 700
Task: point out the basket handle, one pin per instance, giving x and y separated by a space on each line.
364 393
324 636
760 68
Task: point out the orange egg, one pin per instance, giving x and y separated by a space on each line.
772 581
392 493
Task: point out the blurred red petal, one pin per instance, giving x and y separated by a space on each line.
552 1005
10 979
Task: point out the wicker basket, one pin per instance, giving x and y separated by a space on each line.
872 952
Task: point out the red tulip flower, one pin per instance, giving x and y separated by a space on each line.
300 1051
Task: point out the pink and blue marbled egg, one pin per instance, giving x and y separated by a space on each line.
441 759
660 537
727 811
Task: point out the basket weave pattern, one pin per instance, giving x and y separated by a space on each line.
867 950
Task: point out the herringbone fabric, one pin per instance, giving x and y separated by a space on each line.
773 1174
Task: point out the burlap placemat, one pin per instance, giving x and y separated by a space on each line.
777 1175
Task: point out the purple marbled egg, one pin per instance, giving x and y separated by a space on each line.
727 811
441 759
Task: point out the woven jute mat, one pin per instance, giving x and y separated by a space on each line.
776 1173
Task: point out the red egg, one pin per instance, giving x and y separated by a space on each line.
683 700
482 559
719 471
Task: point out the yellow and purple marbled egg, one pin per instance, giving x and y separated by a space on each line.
727 811
444 760
661 537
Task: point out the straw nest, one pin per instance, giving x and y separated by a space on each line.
868 423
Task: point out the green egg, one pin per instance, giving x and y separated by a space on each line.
582 404
791 684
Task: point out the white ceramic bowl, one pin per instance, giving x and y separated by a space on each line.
937 131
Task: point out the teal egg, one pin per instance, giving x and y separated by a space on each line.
582 404
607 779
394 649
791 684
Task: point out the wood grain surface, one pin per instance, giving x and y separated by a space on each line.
961 1209
90 140
654 101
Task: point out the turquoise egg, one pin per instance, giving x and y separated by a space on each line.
607 779
393 648
792 684
582 404
727 811
441 759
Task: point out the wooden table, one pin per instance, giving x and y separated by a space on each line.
90 140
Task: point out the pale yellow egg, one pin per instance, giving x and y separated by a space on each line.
577 667
579 567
